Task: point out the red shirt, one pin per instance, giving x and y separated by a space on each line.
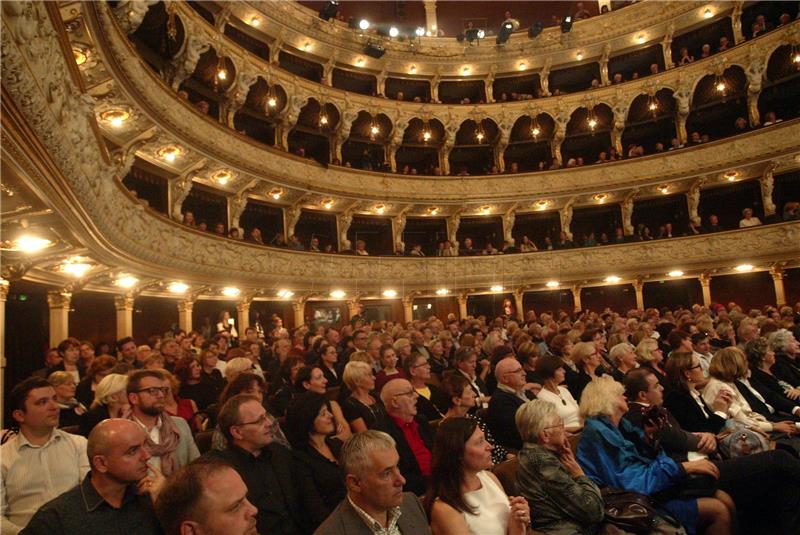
421 452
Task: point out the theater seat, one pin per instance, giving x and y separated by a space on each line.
506 472
203 439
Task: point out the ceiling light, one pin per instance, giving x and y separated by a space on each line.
30 244
169 153
720 86
612 279
221 177
126 281
76 269
796 57
592 123
579 55
675 273
272 102
481 34
707 14
641 39
479 136
79 54
553 284
663 188
255 22
327 203
741 268
429 306
486 209
307 47
380 208
323 119
497 288
465 69
653 106
600 197
393 31
415 307
412 70
731 175
390 293
177 287
442 291
222 74
542 204
276 193
521 66
285 294
374 130
426 135
115 117
360 62
433 210
420 31
230 291
363 24
535 131
338 294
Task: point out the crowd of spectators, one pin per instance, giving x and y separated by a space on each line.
476 426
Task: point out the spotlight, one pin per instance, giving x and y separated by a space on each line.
535 29
420 31
393 31
329 10
363 24
505 32
566 24
374 50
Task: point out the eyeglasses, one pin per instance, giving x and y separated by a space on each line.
155 390
411 392
560 424
261 420
421 364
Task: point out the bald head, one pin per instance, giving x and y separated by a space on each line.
110 434
509 372
400 399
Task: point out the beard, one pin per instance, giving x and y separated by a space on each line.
152 410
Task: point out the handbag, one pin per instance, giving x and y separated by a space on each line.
635 513
737 440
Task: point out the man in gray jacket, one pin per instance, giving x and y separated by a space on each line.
375 500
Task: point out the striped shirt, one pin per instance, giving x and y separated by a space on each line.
33 475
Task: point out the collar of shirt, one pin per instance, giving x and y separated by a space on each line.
509 390
392 515
157 427
22 440
92 499
413 425
242 453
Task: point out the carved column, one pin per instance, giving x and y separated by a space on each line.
243 315
519 293
638 285
343 222
693 200
3 295
462 306
408 310
398 227
683 97
736 22
559 134
395 141
508 223
124 306
435 86
620 113
705 284
666 47
604 79
767 183
755 78
185 315
445 151
488 85
453 222
500 149
626 208
380 82
776 272
544 77
299 313
430 17
576 297
353 308
58 301
565 214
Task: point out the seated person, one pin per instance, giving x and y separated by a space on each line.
507 398
761 359
361 409
117 491
411 433
624 358
549 477
110 401
551 370
71 410
464 495
310 428
431 402
610 452
375 500
311 379
40 462
748 219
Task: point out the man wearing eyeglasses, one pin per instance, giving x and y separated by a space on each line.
265 466
169 438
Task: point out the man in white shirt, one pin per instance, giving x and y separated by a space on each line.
41 462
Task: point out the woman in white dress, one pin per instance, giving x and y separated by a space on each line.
464 497
551 370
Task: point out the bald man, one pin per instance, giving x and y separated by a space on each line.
411 432
116 496
507 398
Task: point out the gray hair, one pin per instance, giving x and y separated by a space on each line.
780 339
619 350
354 371
599 398
532 417
355 456
111 385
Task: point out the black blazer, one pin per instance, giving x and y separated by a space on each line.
500 419
409 467
757 405
333 380
689 414
769 387
320 481
786 369
434 408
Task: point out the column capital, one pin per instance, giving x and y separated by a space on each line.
185 305
576 289
58 299
638 284
299 306
704 278
776 272
123 302
3 289
519 292
462 297
243 305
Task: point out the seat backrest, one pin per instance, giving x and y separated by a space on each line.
332 393
573 441
72 429
506 472
203 439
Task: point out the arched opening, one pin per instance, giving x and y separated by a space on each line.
310 137
650 122
365 147
529 144
473 153
588 134
419 153
716 104
257 118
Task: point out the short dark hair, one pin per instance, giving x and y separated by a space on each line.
183 492
135 379
300 416
303 376
547 365
66 344
229 414
635 382
122 341
453 385
699 337
676 337
19 394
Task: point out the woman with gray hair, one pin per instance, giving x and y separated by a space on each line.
110 401
565 501
71 410
761 357
787 364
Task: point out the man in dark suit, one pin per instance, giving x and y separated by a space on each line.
265 467
375 499
413 435
506 399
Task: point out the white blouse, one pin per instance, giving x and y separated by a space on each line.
566 406
740 409
492 507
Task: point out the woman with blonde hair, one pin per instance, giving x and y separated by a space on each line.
361 409
611 452
70 409
110 401
650 356
587 358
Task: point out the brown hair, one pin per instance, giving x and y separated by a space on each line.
728 364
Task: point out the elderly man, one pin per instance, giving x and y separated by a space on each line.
507 398
413 435
206 497
116 496
418 344
169 438
375 500
40 462
265 466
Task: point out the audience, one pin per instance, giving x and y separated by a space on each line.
551 370
505 401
